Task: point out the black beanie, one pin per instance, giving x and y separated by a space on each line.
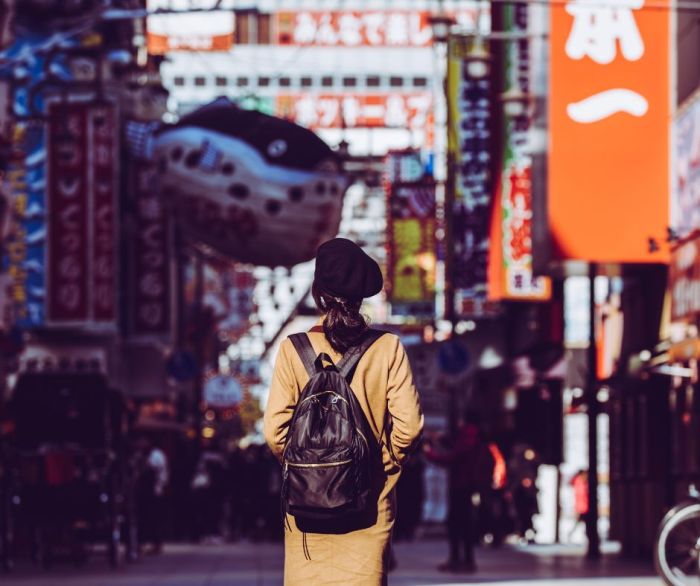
343 269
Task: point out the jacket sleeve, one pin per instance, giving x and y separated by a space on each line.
404 406
281 401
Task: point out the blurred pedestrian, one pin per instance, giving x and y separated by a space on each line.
356 551
579 482
524 465
470 464
409 498
151 487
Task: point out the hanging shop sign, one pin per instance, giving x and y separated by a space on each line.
189 25
412 111
149 253
25 246
411 248
370 28
250 185
514 196
68 214
103 129
81 254
686 195
609 109
684 279
469 153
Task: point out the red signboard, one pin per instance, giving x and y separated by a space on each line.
382 110
684 279
150 254
367 28
68 219
103 127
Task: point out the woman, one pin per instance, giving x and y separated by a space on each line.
383 385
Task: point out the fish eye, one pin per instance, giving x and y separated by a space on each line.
277 148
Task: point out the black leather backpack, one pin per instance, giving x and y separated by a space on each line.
330 450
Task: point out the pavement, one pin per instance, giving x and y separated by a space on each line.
260 564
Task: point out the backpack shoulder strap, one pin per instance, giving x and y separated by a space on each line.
349 361
303 346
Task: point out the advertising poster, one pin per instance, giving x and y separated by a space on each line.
411 248
686 196
469 157
515 182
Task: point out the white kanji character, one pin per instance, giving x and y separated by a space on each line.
397 29
374 27
306 113
349 29
598 27
305 29
326 35
419 31
396 112
351 111
329 108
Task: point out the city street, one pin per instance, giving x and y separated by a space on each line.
261 565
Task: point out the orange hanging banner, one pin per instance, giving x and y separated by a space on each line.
609 119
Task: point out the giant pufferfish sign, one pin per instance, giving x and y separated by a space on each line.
254 187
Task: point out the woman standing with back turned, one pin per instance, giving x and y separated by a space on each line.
383 386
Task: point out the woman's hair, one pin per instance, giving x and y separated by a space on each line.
344 325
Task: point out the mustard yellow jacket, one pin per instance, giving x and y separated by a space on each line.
383 385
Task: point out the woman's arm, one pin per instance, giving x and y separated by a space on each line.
280 402
403 404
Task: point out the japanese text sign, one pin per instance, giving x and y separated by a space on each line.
411 110
370 28
609 124
684 279
68 197
686 208
150 255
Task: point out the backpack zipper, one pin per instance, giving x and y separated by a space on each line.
324 393
326 465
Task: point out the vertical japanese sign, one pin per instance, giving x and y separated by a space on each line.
103 128
24 259
609 122
411 244
149 254
686 196
68 280
515 183
469 148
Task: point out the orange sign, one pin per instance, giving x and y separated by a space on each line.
609 123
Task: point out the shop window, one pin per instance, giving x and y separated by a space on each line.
373 81
327 81
242 82
306 82
349 82
221 82
420 82
284 82
253 28
263 81
396 81
200 81
179 81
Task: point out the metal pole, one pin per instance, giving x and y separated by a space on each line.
593 552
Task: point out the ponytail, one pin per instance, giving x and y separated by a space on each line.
344 325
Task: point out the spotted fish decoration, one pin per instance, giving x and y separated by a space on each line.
257 188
